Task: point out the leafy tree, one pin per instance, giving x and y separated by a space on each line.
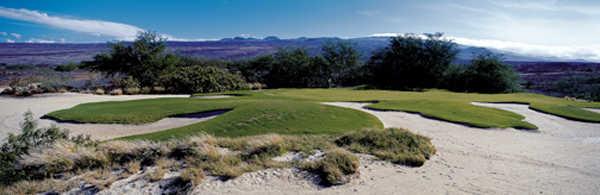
288 68
256 69
487 74
342 59
294 67
412 62
144 59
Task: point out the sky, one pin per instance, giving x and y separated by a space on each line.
567 29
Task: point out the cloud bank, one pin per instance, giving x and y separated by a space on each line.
589 53
95 27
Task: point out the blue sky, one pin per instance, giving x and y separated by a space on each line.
557 27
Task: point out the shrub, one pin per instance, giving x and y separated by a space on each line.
584 87
396 145
202 79
66 67
125 82
335 167
193 175
120 152
30 138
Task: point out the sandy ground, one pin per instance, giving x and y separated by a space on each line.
563 157
593 109
12 109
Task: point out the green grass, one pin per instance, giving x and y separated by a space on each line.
298 111
275 116
454 107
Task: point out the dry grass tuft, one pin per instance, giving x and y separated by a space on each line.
38 186
396 145
335 168
121 152
193 175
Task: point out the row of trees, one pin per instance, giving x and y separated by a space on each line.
414 62
338 65
409 62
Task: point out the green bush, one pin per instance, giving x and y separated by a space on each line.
202 79
396 145
584 87
66 67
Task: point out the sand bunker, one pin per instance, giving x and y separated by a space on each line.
212 97
563 157
557 159
12 109
593 109
110 131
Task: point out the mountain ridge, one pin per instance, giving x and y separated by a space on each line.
235 48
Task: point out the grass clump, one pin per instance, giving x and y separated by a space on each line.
193 175
396 145
335 168
121 152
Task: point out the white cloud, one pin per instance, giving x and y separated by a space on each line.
9 41
95 27
386 34
552 5
36 40
590 53
16 35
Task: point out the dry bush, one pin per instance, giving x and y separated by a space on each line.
133 167
101 178
193 175
120 152
156 174
38 186
335 168
61 157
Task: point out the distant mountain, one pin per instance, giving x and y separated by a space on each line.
229 48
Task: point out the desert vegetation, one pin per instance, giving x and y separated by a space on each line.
53 162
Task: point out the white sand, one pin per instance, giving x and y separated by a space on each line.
212 97
560 158
563 157
12 109
110 131
593 109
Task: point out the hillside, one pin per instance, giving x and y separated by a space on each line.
229 48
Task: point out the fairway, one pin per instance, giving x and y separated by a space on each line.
299 111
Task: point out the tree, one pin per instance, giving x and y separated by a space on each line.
487 74
342 59
144 59
412 62
288 68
